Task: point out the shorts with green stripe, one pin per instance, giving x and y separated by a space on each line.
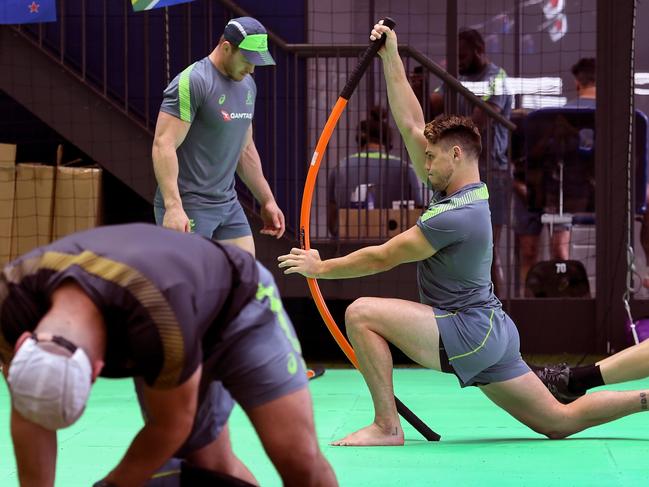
482 344
257 359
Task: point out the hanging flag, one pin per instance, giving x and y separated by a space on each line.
27 11
139 5
558 28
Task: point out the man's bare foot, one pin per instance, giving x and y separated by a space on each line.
373 435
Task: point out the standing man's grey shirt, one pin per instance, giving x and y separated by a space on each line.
220 111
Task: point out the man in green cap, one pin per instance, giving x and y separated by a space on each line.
203 136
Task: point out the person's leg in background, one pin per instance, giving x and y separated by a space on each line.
499 203
560 245
527 229
497 271
528 246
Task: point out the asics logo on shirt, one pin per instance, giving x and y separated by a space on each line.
228 117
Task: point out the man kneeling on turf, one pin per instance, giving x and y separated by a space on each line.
459 326
175 311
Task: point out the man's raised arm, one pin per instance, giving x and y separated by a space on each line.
405 107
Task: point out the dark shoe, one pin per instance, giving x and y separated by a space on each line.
191 476
315 372
556 378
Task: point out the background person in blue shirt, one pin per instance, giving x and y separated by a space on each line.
391 179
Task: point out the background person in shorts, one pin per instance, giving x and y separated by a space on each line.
459 325
100 303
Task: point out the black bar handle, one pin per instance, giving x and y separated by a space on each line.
365 61
417 423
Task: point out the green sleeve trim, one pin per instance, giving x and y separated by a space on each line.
278 310
374 155
185 95
502 74
478 194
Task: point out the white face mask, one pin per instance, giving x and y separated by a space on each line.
48 388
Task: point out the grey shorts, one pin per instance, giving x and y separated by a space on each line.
168 475
257 359
482 344
212 414
220 222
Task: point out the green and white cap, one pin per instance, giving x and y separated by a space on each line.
250 36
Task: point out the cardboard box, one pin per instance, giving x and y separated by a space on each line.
77 200
7 155
32 216
360 223
375 224
401 220
7 190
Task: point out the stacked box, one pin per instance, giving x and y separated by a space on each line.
77 201
7 189
32 218
375 224
40 203
401 220
356 223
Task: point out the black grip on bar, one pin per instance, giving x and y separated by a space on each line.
417 423
365 61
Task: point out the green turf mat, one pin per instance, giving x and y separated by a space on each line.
481 445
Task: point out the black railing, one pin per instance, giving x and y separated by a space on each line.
128 59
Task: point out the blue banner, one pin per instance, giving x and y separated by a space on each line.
27 11
140 5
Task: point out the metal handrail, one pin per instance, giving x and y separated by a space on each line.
326 50
306 50
309 50
141 115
